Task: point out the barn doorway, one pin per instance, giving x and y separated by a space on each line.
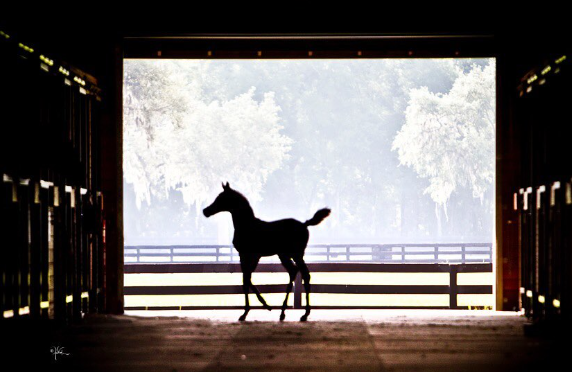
401 150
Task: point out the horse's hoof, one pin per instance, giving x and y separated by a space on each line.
282 317
268 308
304 318
242 318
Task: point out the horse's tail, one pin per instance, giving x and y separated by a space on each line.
318 217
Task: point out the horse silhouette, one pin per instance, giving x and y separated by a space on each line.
254 238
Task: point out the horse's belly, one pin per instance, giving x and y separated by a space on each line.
266 250
280 237
263 250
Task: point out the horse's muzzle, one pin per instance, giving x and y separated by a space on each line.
208 212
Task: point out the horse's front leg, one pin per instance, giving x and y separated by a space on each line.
246 283
248 265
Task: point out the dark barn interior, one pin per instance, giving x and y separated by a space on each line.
62 259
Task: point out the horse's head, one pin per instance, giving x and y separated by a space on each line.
227 201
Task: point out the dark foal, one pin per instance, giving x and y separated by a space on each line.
254 239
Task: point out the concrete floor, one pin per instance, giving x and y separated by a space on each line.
333 340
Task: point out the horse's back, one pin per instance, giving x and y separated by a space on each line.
283 237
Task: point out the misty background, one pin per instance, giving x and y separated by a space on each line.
402 151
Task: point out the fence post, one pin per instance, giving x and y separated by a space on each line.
453 286
298 291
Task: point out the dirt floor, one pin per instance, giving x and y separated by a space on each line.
333 340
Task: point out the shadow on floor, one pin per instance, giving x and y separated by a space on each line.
172 344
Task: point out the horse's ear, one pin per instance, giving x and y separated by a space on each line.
225 187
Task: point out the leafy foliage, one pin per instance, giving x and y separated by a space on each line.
175 140
298 135
449 138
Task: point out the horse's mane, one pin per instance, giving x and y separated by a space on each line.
240 195
243 199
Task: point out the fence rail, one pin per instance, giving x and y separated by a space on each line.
458 253
452 289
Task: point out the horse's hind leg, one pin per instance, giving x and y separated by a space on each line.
292 271
246 276
306 277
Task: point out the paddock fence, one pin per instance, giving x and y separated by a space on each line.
402 276
456 253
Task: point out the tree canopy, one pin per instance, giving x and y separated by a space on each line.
382 142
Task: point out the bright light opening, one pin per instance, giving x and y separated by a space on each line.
401 150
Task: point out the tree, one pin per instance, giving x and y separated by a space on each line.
177 140
294 136
448 138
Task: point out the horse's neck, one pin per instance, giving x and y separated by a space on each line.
242 217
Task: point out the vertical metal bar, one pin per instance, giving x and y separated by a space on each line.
77 246
566 252
540 267
44 255
35 250
24 245
8 255
53 296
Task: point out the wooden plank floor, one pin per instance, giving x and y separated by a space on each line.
334 340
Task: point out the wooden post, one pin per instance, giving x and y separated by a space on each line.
111 170
453 286
298 292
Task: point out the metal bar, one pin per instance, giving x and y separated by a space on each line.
308 254
374 255
420 245
310 36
